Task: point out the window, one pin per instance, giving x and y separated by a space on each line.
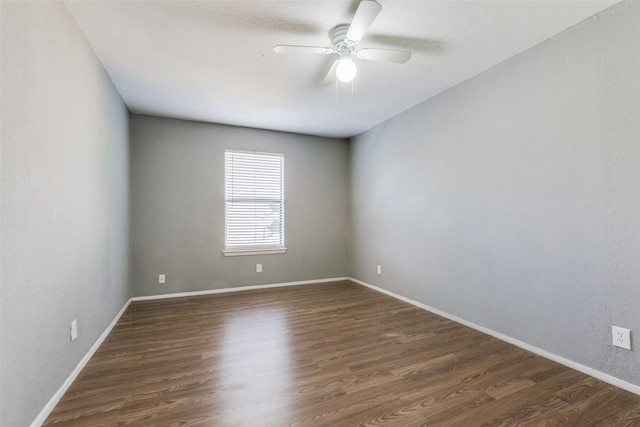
253 205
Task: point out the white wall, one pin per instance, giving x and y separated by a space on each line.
177 189
64 203
513 199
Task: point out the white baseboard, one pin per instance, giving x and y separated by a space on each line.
46 411
240 288
540 352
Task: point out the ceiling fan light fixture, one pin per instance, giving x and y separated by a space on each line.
345 39
346 70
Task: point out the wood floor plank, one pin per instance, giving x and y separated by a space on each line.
335 354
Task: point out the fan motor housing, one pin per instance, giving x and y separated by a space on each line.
339 38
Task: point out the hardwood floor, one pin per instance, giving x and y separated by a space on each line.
334 354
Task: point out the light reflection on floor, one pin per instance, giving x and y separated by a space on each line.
255 368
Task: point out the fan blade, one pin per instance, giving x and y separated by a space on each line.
280 48
330 78
366 13
385 55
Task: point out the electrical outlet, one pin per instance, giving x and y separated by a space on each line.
258 268
379 269
161 278
73 332
621 337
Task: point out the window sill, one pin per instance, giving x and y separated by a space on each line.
241 252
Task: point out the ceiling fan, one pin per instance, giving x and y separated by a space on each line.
345 39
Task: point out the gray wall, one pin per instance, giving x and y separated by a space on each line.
177 189
513 200
64 203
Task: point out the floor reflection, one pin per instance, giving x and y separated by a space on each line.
255 368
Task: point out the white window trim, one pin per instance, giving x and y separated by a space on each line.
240 252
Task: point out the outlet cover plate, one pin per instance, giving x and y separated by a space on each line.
74 330
621 337
161 278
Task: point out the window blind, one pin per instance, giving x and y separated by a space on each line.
253 201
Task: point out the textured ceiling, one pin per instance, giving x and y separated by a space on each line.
213 61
